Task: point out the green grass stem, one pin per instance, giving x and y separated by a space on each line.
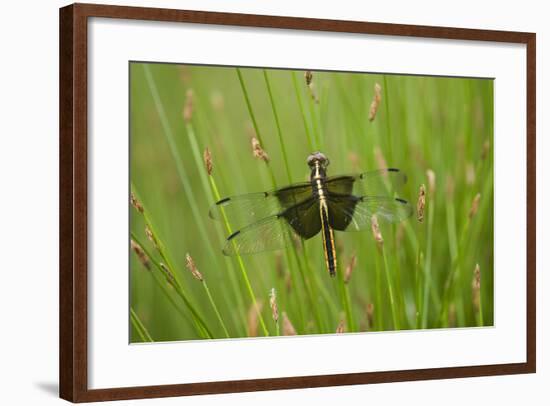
312 145
215 308
428 261
139 327
393 304
197 318
242 267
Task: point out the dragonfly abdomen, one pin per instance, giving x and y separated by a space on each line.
328 239
318 183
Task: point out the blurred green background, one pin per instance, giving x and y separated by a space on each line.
422 277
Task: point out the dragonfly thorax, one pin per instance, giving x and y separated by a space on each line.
318 181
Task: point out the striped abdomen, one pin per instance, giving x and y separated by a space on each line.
328 239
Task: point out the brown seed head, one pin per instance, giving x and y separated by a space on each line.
273 305
341 328
376 99
190 264
151 236
475 206
308 76
207 156
135 202
476 287
188 106
288 328
258 151
485 150
431 182
349 268
421 204
142 256
376 231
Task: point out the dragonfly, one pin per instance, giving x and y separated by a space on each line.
275 219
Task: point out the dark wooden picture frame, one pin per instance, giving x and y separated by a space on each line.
73 358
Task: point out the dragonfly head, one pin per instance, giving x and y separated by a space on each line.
317 157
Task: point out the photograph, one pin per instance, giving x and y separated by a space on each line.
270 202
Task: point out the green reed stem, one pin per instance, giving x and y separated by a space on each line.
239 316
289 176
453 274
393 305
312 145
349 108
418 288
161 283
218 315
428 262
254 123
295 283
313 116
203 329
400 300
244 273
277 123
197 157
140 327
346 302
451 228
379 320
388 120
480 322
249 107
183 176
139 332
166 289
308 285
177 281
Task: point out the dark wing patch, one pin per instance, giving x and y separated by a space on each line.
341 210
246 209
304 218
291 195
277 231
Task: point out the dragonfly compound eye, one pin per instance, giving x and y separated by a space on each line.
317 157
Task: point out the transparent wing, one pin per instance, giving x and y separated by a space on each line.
269 234
246 209
277 231
352 213
383 182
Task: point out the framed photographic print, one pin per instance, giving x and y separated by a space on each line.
256 202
